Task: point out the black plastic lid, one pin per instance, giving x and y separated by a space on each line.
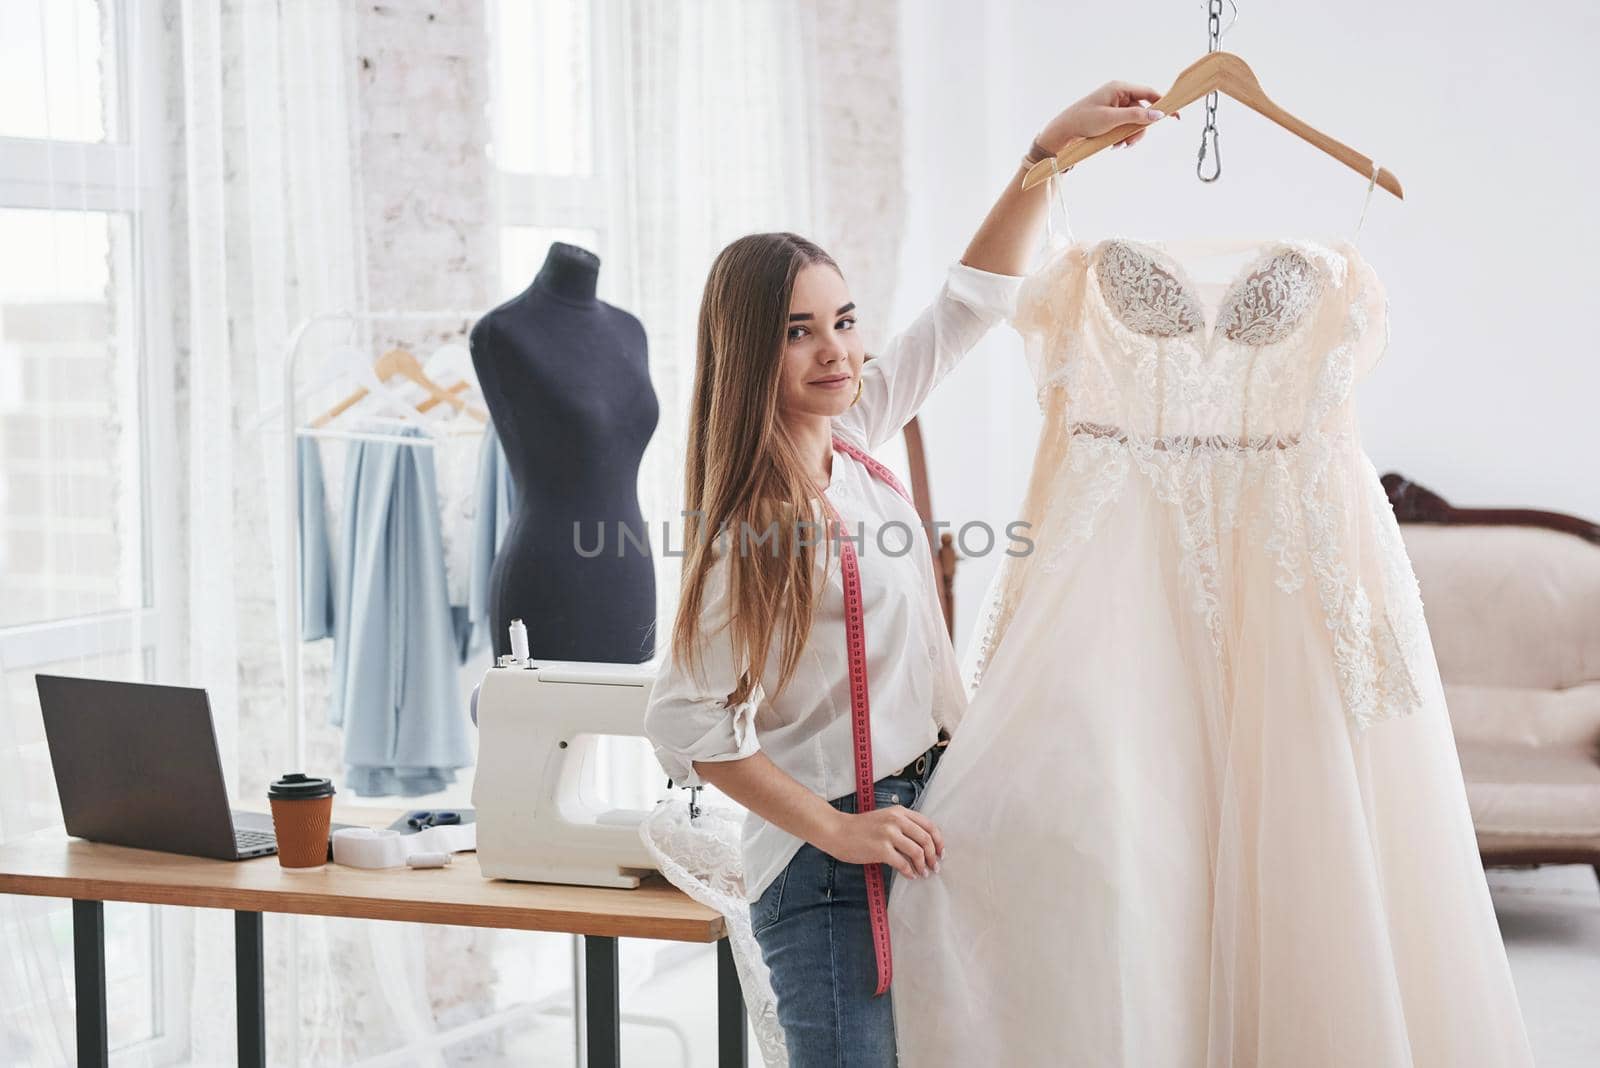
298 786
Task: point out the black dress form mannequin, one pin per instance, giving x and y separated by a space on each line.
567 384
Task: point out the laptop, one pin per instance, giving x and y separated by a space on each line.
136 764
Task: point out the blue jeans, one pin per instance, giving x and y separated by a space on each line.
816 938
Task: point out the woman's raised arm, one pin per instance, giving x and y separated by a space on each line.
1005 241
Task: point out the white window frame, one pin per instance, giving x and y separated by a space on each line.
130 177
562 201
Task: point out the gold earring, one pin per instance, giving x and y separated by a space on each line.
864 358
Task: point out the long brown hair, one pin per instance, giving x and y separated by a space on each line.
742 467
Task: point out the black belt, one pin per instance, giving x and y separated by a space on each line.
920 767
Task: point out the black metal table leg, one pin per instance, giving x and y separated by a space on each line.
250 989
731 1034
89 981
603 1012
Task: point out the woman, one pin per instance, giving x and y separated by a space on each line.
781 375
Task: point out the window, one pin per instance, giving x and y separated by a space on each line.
72 545
86 416
59 78
544 121
545 145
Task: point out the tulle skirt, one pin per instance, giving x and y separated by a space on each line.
1150 864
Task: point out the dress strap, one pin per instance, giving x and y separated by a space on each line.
1054 197
1371 184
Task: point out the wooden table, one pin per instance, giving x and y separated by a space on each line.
92 873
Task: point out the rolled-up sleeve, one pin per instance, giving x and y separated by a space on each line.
688 717
914 361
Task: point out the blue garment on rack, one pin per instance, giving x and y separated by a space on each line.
396 680
316 583
497 503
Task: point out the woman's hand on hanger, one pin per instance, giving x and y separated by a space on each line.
1113 104
1006 239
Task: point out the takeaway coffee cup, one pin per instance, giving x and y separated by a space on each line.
302 811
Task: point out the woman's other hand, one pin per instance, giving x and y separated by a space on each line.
895 835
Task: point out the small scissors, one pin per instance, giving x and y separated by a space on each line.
430 818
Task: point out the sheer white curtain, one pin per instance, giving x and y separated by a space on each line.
710 137
714 137
31 972
207 206
706 120
272 234
273 214
706 125
85 563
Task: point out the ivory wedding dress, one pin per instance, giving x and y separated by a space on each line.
1205 806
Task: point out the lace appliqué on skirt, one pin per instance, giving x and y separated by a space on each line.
702 857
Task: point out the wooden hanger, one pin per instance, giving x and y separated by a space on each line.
433 402
402 363
1226 73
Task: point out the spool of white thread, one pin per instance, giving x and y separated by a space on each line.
519 640
428 860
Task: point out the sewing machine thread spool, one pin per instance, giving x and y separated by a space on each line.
519 640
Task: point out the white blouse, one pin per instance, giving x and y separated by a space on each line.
913 679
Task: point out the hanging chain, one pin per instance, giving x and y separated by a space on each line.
1208 136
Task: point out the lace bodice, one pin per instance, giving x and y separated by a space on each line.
1121 327
1151 298
1240 416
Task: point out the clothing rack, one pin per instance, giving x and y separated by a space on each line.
290 625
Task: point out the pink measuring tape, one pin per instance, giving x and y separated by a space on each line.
860 718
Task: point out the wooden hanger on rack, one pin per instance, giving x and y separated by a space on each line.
400 362
433 402
1221 72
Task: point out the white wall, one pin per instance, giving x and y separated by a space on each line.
1489 388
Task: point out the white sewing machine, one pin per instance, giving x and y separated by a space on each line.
539 819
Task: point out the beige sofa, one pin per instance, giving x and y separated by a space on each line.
1512 600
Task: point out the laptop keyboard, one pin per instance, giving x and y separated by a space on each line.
253 839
